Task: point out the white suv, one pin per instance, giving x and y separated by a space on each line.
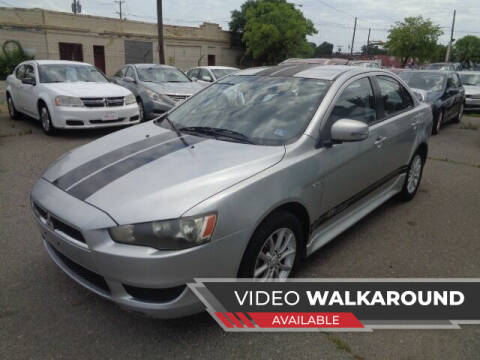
68 94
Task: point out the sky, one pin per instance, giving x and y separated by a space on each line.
333 19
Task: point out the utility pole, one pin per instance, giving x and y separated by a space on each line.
161 53
449 49
119 2
76 7
353 38
368 41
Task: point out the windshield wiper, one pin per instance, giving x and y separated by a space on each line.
218 132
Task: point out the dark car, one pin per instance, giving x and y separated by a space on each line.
442 89
157 88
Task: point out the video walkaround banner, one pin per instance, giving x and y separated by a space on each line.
340 304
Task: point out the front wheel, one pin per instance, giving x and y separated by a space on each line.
438 123
414 176
46 120
274 249
141 110
14 115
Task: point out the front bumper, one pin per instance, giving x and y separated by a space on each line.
91 117
472 104
135 277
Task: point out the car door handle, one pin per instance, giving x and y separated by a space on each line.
379 141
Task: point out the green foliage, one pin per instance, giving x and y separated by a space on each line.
324 49
414 38
9 59
439 53
467 49
271 30
373 50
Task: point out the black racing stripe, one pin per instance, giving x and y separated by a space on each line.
349 202
106 176
88 168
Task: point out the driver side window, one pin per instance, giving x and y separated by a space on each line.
129 73
356 102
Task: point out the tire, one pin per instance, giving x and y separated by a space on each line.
141 110
14 114
46 121
437 124
458 118
273 234
413 178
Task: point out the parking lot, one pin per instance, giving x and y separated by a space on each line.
46 315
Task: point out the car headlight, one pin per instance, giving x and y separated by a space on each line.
155 96
70 101
130 99
174 234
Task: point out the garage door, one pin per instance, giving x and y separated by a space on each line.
138 52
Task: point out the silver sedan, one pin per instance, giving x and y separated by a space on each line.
244 179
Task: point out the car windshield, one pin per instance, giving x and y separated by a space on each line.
470 79
53 73
219 73
424 81
161 74
263 110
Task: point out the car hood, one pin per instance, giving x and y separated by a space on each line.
472 90
147 173
186 88
87 89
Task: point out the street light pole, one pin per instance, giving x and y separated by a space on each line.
161 52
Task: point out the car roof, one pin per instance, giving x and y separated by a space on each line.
312 71
469 72
318 61
146 65
438 72
65 62
215 67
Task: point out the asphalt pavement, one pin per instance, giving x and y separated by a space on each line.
46 315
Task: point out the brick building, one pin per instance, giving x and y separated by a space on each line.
109 43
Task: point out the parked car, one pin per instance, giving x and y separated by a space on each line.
444 91
210 74
444 66
471 83
365 63
245 178
317 61
157 88
68 95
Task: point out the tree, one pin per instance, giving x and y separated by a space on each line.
270 31
414 38
467 49
373 50
439 53
324 49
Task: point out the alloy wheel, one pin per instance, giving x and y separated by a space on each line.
45 119
460 112
277 255
439 122
11 108
414 174
141 112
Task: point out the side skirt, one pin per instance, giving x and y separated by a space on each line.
332 227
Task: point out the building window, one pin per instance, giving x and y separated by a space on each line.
211 60
70 51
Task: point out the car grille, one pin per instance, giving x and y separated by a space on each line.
178 98
57 225
476 96
98 121
103 102
154 295
89 276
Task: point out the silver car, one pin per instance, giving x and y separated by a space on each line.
471 83
244 179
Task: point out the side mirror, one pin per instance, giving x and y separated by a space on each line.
194 78
207 78
453 91
419 96
129 79
346 130
29 81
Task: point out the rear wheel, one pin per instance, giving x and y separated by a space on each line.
437 123
14 115
46 120
414 176
274 249
460 114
